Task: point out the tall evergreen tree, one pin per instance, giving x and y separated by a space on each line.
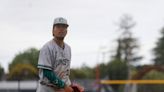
127 44
158 51
126 52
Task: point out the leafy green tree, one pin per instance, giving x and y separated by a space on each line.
152 75
84 72
117 70
103 70
28 59
29 56
23 72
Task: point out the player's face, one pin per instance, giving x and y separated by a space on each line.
60 31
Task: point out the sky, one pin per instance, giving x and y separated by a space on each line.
92 31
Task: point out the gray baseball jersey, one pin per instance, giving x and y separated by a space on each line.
54 58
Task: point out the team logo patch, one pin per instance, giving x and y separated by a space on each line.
61 20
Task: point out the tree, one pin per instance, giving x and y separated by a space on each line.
127 44
158 51
126 52
117 70
84 72
152 75
23 72
103 70
1 72
30 56
28 59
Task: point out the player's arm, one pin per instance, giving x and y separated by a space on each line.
56 80
53 78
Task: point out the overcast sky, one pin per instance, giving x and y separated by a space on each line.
28 23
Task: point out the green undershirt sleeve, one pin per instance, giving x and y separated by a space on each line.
51 76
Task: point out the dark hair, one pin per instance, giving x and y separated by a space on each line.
59 24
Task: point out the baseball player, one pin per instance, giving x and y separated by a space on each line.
54 61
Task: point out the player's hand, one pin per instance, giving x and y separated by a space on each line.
77 87
68 89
